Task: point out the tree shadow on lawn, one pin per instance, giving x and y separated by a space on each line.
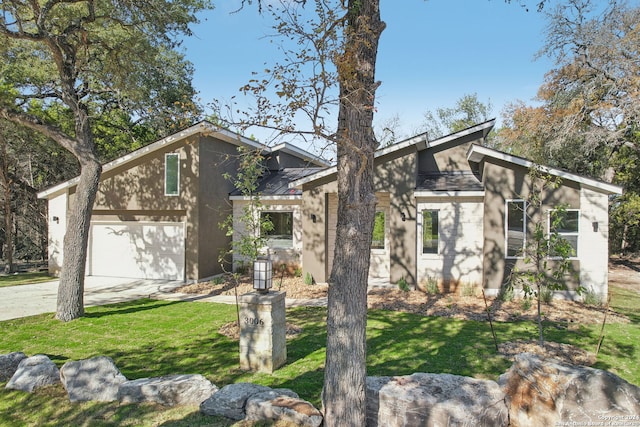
128 307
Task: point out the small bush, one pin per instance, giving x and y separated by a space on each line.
308 279
218 280
468 290
525 304
507 294
242 269
432 286
297 272
403 285
591 298
546 295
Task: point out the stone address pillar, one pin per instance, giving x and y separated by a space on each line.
263 345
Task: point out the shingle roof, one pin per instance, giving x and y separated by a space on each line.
448 181
276 183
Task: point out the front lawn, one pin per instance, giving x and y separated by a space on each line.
152 338
24 278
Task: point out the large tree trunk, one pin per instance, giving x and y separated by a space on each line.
5 183
70 303
343 398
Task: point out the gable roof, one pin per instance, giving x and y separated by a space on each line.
205 128
276 183
478 153
421 142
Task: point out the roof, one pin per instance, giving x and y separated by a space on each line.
205 128
449 181
276 183
421 142
478 153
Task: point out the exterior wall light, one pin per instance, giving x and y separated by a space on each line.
314 218
262 273
594 224
56 219
403 216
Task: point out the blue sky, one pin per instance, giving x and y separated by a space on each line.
431 54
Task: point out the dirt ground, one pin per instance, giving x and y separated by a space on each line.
623 273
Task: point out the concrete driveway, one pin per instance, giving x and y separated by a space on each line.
28 300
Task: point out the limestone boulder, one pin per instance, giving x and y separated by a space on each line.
170 390
547 392
282 405
97 379
9 364
424 399
230 400
34 372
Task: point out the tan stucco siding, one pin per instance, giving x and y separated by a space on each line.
460 242
314 250
507 182
448 157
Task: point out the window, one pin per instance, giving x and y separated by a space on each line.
281 236
565 224
430 232
515 228
377 242
171 174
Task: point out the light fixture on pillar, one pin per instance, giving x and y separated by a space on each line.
262 272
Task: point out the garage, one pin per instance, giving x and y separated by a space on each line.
139 250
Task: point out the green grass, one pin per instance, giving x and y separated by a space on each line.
24 279
151 338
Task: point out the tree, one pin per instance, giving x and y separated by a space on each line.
467 112
545 254
588 120
89 58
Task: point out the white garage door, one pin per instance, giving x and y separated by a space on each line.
140 250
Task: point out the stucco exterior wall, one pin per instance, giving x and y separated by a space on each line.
593 242
290 256
507 182
58 207
459 257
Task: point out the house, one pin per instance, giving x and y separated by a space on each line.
158 209
449 210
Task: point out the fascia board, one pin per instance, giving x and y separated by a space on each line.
430 194
477 153
300 152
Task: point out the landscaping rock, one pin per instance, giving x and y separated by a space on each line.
548 392
434 400
231 399
282 405
97 378
9 364
170 390
34 372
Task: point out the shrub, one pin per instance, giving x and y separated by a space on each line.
403 285
591 298
507 294
308 279
218 280
546 295
432 286
525 304
468 290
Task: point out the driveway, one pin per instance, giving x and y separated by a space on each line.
28 300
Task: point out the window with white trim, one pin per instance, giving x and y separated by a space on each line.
281 236
171 174
430 231
566 224
515 227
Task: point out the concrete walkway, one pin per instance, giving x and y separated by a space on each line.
29 300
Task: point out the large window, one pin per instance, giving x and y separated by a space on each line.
377 242
171 174
565 224
516 223
281 236
430 232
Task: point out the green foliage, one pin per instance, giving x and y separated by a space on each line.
589 297
546 295
507 294
403 285
468 289
468 111
248 228
525 304
546 254
432 286
308 279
